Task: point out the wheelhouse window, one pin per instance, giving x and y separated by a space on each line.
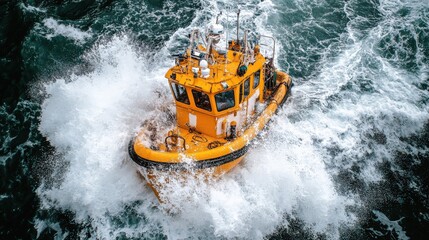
225 100
201 100
246 87
180 93
240 96
256 79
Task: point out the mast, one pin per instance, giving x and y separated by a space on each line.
245 43
217 17
238 23
190 48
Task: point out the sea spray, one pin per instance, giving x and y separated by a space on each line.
89 119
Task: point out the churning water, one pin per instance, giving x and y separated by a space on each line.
347 156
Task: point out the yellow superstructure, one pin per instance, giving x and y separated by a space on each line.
223 97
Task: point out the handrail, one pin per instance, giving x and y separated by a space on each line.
274 44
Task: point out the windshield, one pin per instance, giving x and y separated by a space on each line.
225 100
201 100
180 93
256 79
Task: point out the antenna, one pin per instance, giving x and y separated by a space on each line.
245 42
217 17
191 46
226 32
226 43
238 23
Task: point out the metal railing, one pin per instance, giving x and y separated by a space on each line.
273 47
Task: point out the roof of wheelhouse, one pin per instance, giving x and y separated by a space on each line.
192 67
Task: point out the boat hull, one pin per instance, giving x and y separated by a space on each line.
208 162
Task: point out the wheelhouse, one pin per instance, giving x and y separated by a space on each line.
198 108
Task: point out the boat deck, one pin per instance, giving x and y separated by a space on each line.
195 141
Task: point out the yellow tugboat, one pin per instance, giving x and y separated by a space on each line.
224 98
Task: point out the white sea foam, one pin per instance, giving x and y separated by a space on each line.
391 226
42 225
65 30
31 8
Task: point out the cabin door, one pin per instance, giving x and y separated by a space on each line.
244 100
249 95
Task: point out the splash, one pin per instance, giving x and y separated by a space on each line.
89 119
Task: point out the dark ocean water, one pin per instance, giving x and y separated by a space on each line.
346 158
